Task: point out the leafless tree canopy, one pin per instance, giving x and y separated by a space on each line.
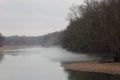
94 27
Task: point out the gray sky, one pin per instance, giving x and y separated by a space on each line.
33 17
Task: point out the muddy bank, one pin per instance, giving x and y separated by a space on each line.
8 48
111 68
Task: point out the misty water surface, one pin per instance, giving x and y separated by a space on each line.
39 63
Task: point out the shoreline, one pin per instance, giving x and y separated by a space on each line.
8 48
109 68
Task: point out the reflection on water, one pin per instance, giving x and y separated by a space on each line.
39 63
77 75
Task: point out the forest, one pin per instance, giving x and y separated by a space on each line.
47 40
94 28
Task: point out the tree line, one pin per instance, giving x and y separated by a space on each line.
94 27
47 40
1 40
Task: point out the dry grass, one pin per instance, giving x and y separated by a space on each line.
112 68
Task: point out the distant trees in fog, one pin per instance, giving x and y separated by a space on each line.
50 39
94 27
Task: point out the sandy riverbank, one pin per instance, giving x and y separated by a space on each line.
8 48
111 68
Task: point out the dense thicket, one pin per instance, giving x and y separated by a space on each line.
1 40
94 27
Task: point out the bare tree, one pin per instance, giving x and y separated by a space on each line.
94 27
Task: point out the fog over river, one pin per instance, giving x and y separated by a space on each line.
38 63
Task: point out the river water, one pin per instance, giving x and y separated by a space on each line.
38 63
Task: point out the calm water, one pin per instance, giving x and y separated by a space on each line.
39 63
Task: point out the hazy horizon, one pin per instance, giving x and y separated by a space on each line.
34 18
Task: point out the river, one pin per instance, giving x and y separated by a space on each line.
38 63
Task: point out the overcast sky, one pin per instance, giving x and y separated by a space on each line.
33 17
